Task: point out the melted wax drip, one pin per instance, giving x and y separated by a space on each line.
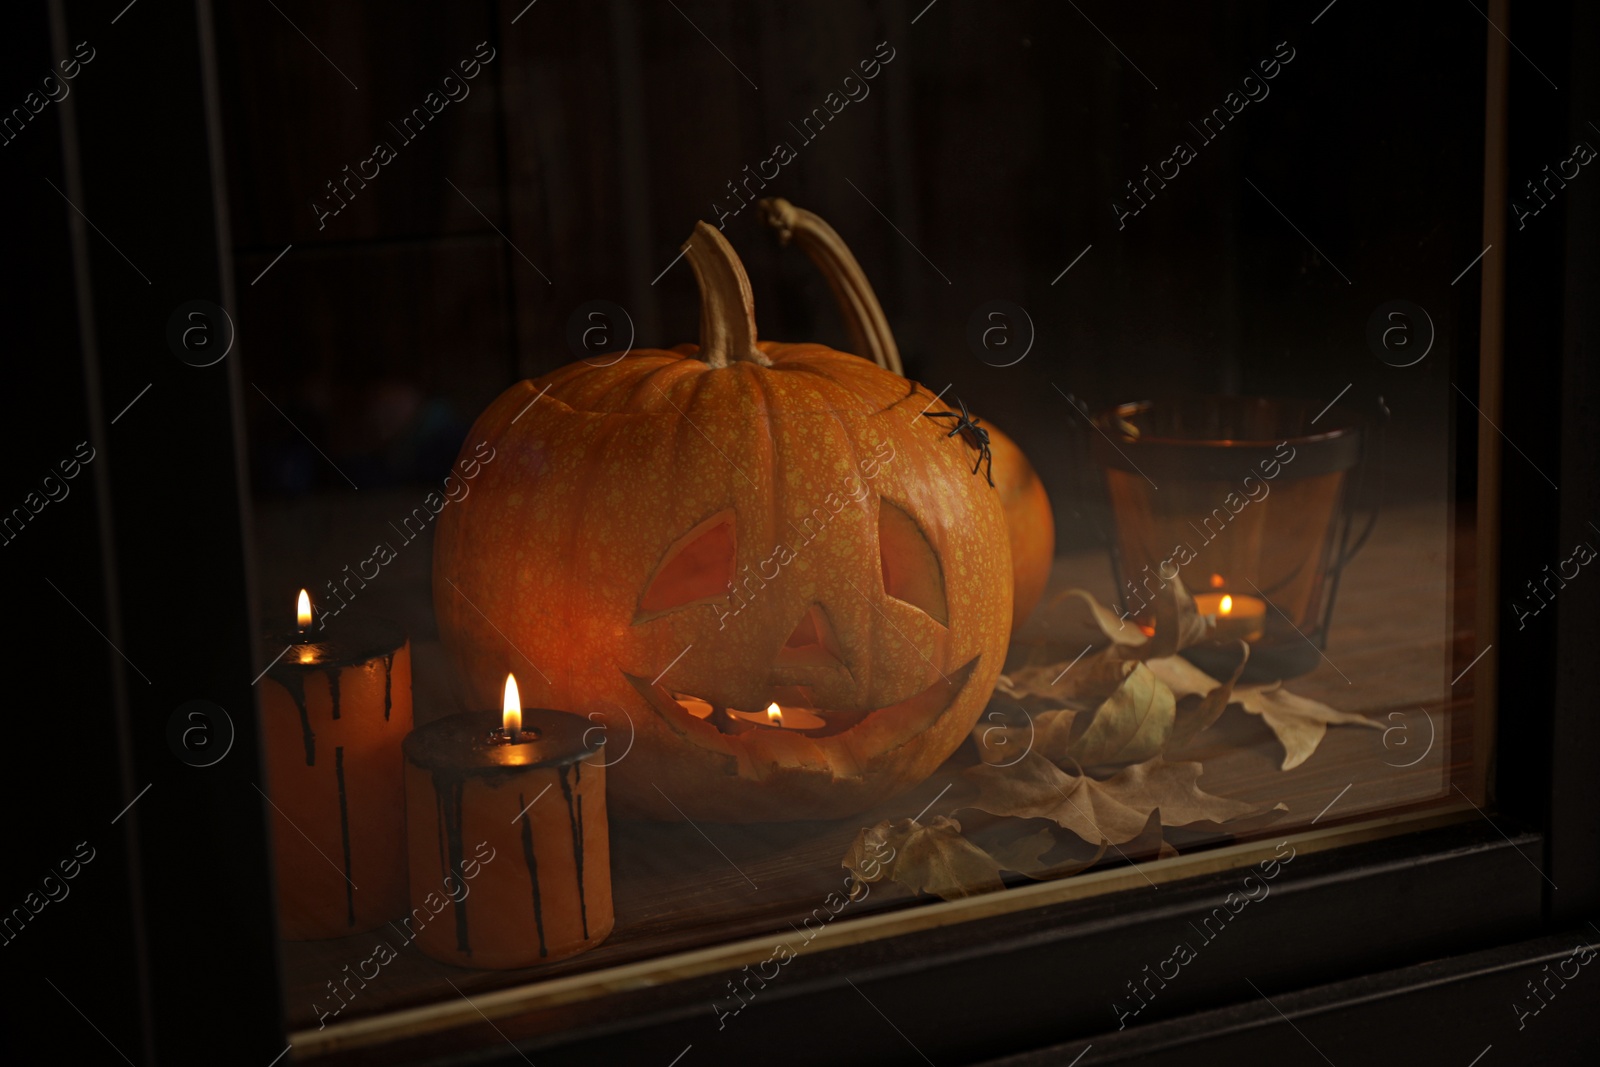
388 684
447 794
576 819
294 682
533 872
344 832
333 688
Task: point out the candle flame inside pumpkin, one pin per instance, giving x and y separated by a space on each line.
1226 607
512 715
775 714
302 610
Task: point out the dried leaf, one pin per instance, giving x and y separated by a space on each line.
1132 724
1197 713
1085 622
1178 623
932 859
1181 676
1116 810
1150 842
1023 854
1002 742
1034 848
1132 713
1298 722
1083 684
868 854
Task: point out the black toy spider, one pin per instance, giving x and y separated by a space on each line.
967 426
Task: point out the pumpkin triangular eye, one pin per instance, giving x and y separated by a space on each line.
697 567
910 566
812 643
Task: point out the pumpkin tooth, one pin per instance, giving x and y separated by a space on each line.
841 756
778 751
894 725
683 722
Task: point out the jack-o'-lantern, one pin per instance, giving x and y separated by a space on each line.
781 591
1030 524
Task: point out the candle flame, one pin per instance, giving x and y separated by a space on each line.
1216 581
512 715
302 610
775 714
1226 607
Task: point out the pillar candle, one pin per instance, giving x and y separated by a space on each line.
509 855
335 706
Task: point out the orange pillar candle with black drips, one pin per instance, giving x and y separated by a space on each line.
509 849
335 706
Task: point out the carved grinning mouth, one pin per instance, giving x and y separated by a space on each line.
843 744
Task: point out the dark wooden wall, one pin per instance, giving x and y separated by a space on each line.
994 142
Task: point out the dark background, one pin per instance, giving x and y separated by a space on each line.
995 142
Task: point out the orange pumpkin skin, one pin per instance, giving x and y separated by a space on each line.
1030 524
553 551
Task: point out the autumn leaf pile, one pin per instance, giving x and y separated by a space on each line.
1083 769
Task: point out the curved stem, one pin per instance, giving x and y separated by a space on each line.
727 308
858 304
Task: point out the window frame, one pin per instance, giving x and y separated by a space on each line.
1454 883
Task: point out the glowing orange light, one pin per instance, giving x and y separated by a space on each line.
512 715
774 714
303 610
1216 581
1226 607
696 706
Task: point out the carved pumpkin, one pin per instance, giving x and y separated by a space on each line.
678 539
1030 523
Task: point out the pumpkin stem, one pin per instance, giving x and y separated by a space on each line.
858 304
727 308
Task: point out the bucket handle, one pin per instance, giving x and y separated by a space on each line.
1369 485
1093 496
1369 468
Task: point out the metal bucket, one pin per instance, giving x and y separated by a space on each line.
1250 501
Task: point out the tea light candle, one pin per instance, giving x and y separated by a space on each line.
775 717
1235 617
525 790
335 705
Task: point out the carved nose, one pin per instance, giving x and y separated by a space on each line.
812 644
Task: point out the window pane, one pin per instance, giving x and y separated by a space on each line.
896 455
